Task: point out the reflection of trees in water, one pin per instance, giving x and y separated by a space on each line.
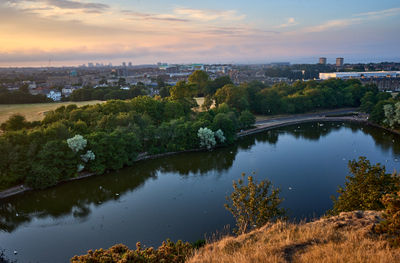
75 198
385 140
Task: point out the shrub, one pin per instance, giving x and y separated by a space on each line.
391 223
253 205
365 188
168 252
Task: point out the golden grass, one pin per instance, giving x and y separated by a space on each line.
36 111
346 238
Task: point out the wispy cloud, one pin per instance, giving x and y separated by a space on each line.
381 13
39 5
152 17
209 15
290 22
356 19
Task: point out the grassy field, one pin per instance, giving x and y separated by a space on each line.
36 111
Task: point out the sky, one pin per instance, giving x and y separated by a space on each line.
72 32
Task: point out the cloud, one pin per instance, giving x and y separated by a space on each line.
152 17
206 15
291 22
356 19
40 5
381 13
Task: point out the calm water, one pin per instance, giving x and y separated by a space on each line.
182 196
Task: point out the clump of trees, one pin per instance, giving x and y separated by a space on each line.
168 252
109 136
20 96
365 187
107 93
301 96
253 204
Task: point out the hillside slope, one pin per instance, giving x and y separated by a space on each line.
347 238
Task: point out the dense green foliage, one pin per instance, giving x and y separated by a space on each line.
41 154
168 252
254 204
373 103
20 96
301 96
391 223
106 93
365 188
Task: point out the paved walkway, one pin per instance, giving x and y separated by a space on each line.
296 119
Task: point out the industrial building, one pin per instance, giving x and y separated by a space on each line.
385 80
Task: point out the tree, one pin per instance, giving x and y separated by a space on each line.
164 92
391 223
24 88
77 143
253 205
365 188
246 119
184 93
216 84
200 78
389 115
14 123
236 97
207 138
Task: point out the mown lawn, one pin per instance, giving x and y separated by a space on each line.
36 111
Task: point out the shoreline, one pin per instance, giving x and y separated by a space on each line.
19 189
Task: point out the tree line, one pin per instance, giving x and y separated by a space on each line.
282 98
21 96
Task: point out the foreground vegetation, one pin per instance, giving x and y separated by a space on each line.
344 238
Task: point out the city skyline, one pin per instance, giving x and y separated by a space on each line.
72 32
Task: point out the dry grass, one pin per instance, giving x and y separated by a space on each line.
345 238
36 111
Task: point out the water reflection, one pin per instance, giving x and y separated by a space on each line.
77 198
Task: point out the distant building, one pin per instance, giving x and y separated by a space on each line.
385 80
339 62
124 64
322 61
67 90
130 64
90 65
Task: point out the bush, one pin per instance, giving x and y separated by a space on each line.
391 223
246 120
365 188
168 252
252 205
